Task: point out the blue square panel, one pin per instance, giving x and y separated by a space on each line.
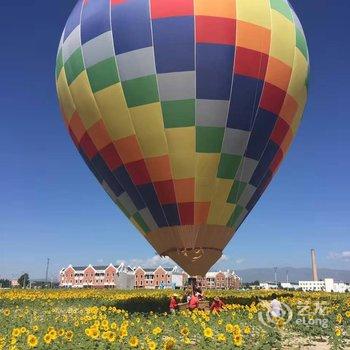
131 26
125 181
149 196
73 20
264 163
174 44
101 167
214 65
244 102
263 126
171 213
95 19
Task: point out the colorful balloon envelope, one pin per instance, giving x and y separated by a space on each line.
183 110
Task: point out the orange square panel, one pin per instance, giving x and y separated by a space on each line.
99 135
184 190
159 168
128 149
201 211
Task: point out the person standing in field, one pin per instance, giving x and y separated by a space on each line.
216 305
193 302
173 306
276 307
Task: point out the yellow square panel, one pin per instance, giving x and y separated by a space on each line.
207 165
254 11
299 114
84 100
182 165
282 38
149 128
222 190
64 96
226 212
181 140
204 189
218 8
114 111
299 74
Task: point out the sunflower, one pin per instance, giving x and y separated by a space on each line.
229 328
238 340
134 342
157 330
47 338
152 345
247 330
6 312
32 341
347 314
339 318
221 337
16 332
69 335
208 332
184 331
169 343
111 336
338 332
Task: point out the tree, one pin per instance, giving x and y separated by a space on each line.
4 283
24 281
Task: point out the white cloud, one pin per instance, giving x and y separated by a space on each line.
239 261
224 257
100 261
154 261
344 255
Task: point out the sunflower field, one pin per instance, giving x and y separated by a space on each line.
109 319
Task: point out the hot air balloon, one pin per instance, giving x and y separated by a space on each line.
183 110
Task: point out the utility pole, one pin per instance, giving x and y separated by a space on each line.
47 271
275 270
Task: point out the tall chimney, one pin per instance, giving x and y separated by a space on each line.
314 265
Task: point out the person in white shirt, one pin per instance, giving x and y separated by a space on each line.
276 307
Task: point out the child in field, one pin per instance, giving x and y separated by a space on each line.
216 305
173 306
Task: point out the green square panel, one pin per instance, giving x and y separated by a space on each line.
228 166
74 65
103 74
141 91
235 215
138 218
301 43
178 113
59 63
236 191
209 139
282 7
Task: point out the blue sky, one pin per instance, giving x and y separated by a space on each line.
52 206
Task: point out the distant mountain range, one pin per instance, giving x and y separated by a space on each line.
294 274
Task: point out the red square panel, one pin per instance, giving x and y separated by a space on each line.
215 30
111 157
117 2
186 213
138 172
272 98
171 8
165 191
279 132
88 146
250 63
